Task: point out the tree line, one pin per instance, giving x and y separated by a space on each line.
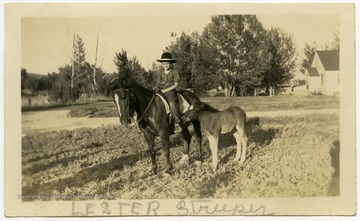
234 53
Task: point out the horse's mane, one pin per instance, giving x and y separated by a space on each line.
139 89
208 107
121 83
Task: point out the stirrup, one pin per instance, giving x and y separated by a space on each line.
177 128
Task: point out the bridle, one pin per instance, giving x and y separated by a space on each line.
134 121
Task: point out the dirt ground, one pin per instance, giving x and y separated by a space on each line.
52 120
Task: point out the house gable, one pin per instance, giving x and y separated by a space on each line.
325 66
313 72
329 59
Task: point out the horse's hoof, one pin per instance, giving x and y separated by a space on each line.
185 159
152 170
197 162
167 173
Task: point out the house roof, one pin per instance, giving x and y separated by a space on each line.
313 72
329 59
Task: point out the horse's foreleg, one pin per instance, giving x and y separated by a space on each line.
241 144
166 148
213 142
150 141
198 136
186 137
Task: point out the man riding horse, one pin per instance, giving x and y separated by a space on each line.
138 105
167 82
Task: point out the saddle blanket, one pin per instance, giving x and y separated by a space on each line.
184 105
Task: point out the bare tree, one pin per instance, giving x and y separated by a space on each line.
72 73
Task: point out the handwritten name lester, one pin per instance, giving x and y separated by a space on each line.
153 208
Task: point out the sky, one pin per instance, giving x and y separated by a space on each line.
46 41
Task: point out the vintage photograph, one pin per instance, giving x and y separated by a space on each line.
214 113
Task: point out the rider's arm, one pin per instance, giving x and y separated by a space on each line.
176 82
173 87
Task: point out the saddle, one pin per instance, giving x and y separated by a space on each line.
183 103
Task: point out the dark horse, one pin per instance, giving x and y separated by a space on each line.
136 104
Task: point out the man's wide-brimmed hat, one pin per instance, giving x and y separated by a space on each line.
167 57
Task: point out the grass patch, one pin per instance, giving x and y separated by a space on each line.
276 102
43 107
286 157
108 109
93 112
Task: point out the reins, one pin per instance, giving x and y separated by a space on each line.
147 108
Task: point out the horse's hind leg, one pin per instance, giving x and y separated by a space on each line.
241 144
213 142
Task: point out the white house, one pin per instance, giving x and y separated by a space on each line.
324 74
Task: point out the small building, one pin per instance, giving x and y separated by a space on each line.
298 79
324 74
313 82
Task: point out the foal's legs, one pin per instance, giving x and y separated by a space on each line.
198 136
186 137
213 142
241 140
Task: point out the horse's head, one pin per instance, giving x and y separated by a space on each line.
193 112
124 101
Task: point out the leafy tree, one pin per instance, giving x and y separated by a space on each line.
60 90
206 74
309 52
184 49
29 82
74 79
335 44
130 70
282 62
72 74
43 84
122 64
23 78
138 73
239 50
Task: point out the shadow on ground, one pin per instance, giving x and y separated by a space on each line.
96 173
334 187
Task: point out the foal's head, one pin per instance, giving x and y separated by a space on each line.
195 110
